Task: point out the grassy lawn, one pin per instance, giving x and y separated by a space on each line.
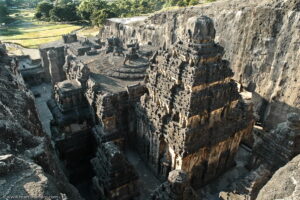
31 33
88 31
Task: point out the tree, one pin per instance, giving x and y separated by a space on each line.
64 13
191 2
31 3
3 12
38 15
87 7
63 2
98 18
44 9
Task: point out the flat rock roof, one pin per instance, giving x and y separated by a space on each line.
101 65
113 85
57 43
69 85
99 76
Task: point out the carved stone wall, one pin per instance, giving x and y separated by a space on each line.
271 151
115 179
279 146
69 38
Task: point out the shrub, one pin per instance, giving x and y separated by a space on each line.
44 8
3 13
38 15
98 18
64 13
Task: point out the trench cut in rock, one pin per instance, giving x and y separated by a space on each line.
192 119
92 110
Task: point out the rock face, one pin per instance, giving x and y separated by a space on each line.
28 165
261 39
271 151
21 178
284 184
183 123
279 146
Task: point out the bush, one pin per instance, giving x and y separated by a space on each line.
3 13
64 13
87 8
97 11
98 18
38 15
44 9
193 2
181 3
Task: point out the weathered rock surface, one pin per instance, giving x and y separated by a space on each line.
176 188
271 151
261 41
21 178
28 166
279 146
116 178
284 184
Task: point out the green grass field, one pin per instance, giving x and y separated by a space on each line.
30 33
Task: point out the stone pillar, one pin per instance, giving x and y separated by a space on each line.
54 68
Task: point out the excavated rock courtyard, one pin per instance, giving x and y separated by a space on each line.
199 103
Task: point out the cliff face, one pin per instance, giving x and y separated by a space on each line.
261 41
28 166
284 184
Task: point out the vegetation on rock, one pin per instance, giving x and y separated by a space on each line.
97 11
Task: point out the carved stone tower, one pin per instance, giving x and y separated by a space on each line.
192 118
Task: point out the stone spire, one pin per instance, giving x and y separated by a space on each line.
54 69
192 115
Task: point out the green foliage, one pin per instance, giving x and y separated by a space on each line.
126 8
38 15
193 2
64 2
181 3
21 3
44 9
97 11
3 13
88 7
31 3
64 12
61 10
99 17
